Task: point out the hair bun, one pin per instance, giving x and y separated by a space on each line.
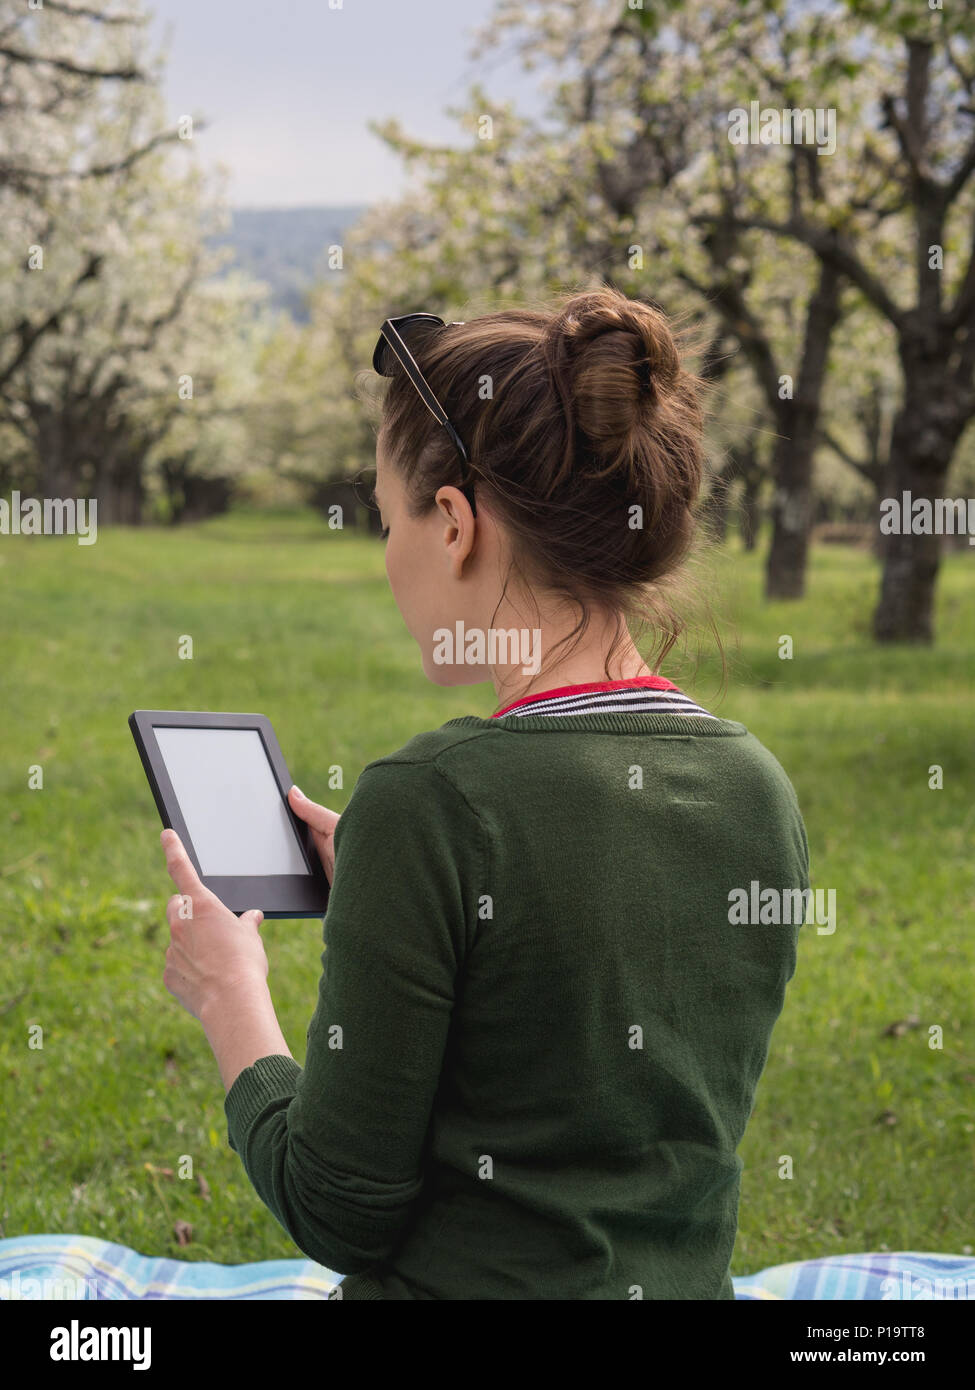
624 361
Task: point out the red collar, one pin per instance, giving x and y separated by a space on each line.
648 682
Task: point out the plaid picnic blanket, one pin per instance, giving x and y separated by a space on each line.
69 1266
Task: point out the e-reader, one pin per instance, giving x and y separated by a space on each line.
221 782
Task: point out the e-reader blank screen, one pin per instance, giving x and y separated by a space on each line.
233 808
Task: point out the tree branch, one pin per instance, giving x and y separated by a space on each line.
829 247
869 470
961 175
14 55
29 334
82 12
24 179
963 309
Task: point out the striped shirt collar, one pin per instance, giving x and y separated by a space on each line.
641 694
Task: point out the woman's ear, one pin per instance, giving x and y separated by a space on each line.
460 526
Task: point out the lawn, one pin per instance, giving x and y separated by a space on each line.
296 621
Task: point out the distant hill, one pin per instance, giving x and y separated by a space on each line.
286 246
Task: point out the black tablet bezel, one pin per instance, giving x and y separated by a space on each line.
277 895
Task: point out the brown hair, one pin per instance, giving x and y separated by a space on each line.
578 421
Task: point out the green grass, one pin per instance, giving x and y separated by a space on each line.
296 621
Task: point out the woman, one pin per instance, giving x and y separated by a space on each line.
540 1026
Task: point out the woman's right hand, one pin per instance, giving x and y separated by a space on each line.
322 823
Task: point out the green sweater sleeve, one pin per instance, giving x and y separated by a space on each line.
334 1148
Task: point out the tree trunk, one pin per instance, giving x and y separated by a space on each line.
926 432
119 486
205 497
120 499
798 427
714 509
749 511
58 470
173 474
905 610
785 571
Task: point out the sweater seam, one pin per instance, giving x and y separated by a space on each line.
485 845
608 722
401 756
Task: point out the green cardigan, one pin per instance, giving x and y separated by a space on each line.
540 1025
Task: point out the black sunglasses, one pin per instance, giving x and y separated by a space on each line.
390 349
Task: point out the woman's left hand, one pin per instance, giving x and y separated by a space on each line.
211 951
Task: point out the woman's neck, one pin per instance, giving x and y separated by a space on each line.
585 666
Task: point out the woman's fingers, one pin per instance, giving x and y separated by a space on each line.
181 870
322 822
320 818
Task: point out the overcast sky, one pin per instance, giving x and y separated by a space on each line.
287 88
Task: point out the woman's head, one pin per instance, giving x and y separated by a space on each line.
583 431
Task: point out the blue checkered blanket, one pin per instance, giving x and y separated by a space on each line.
51 1266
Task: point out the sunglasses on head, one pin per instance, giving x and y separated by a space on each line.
391 348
